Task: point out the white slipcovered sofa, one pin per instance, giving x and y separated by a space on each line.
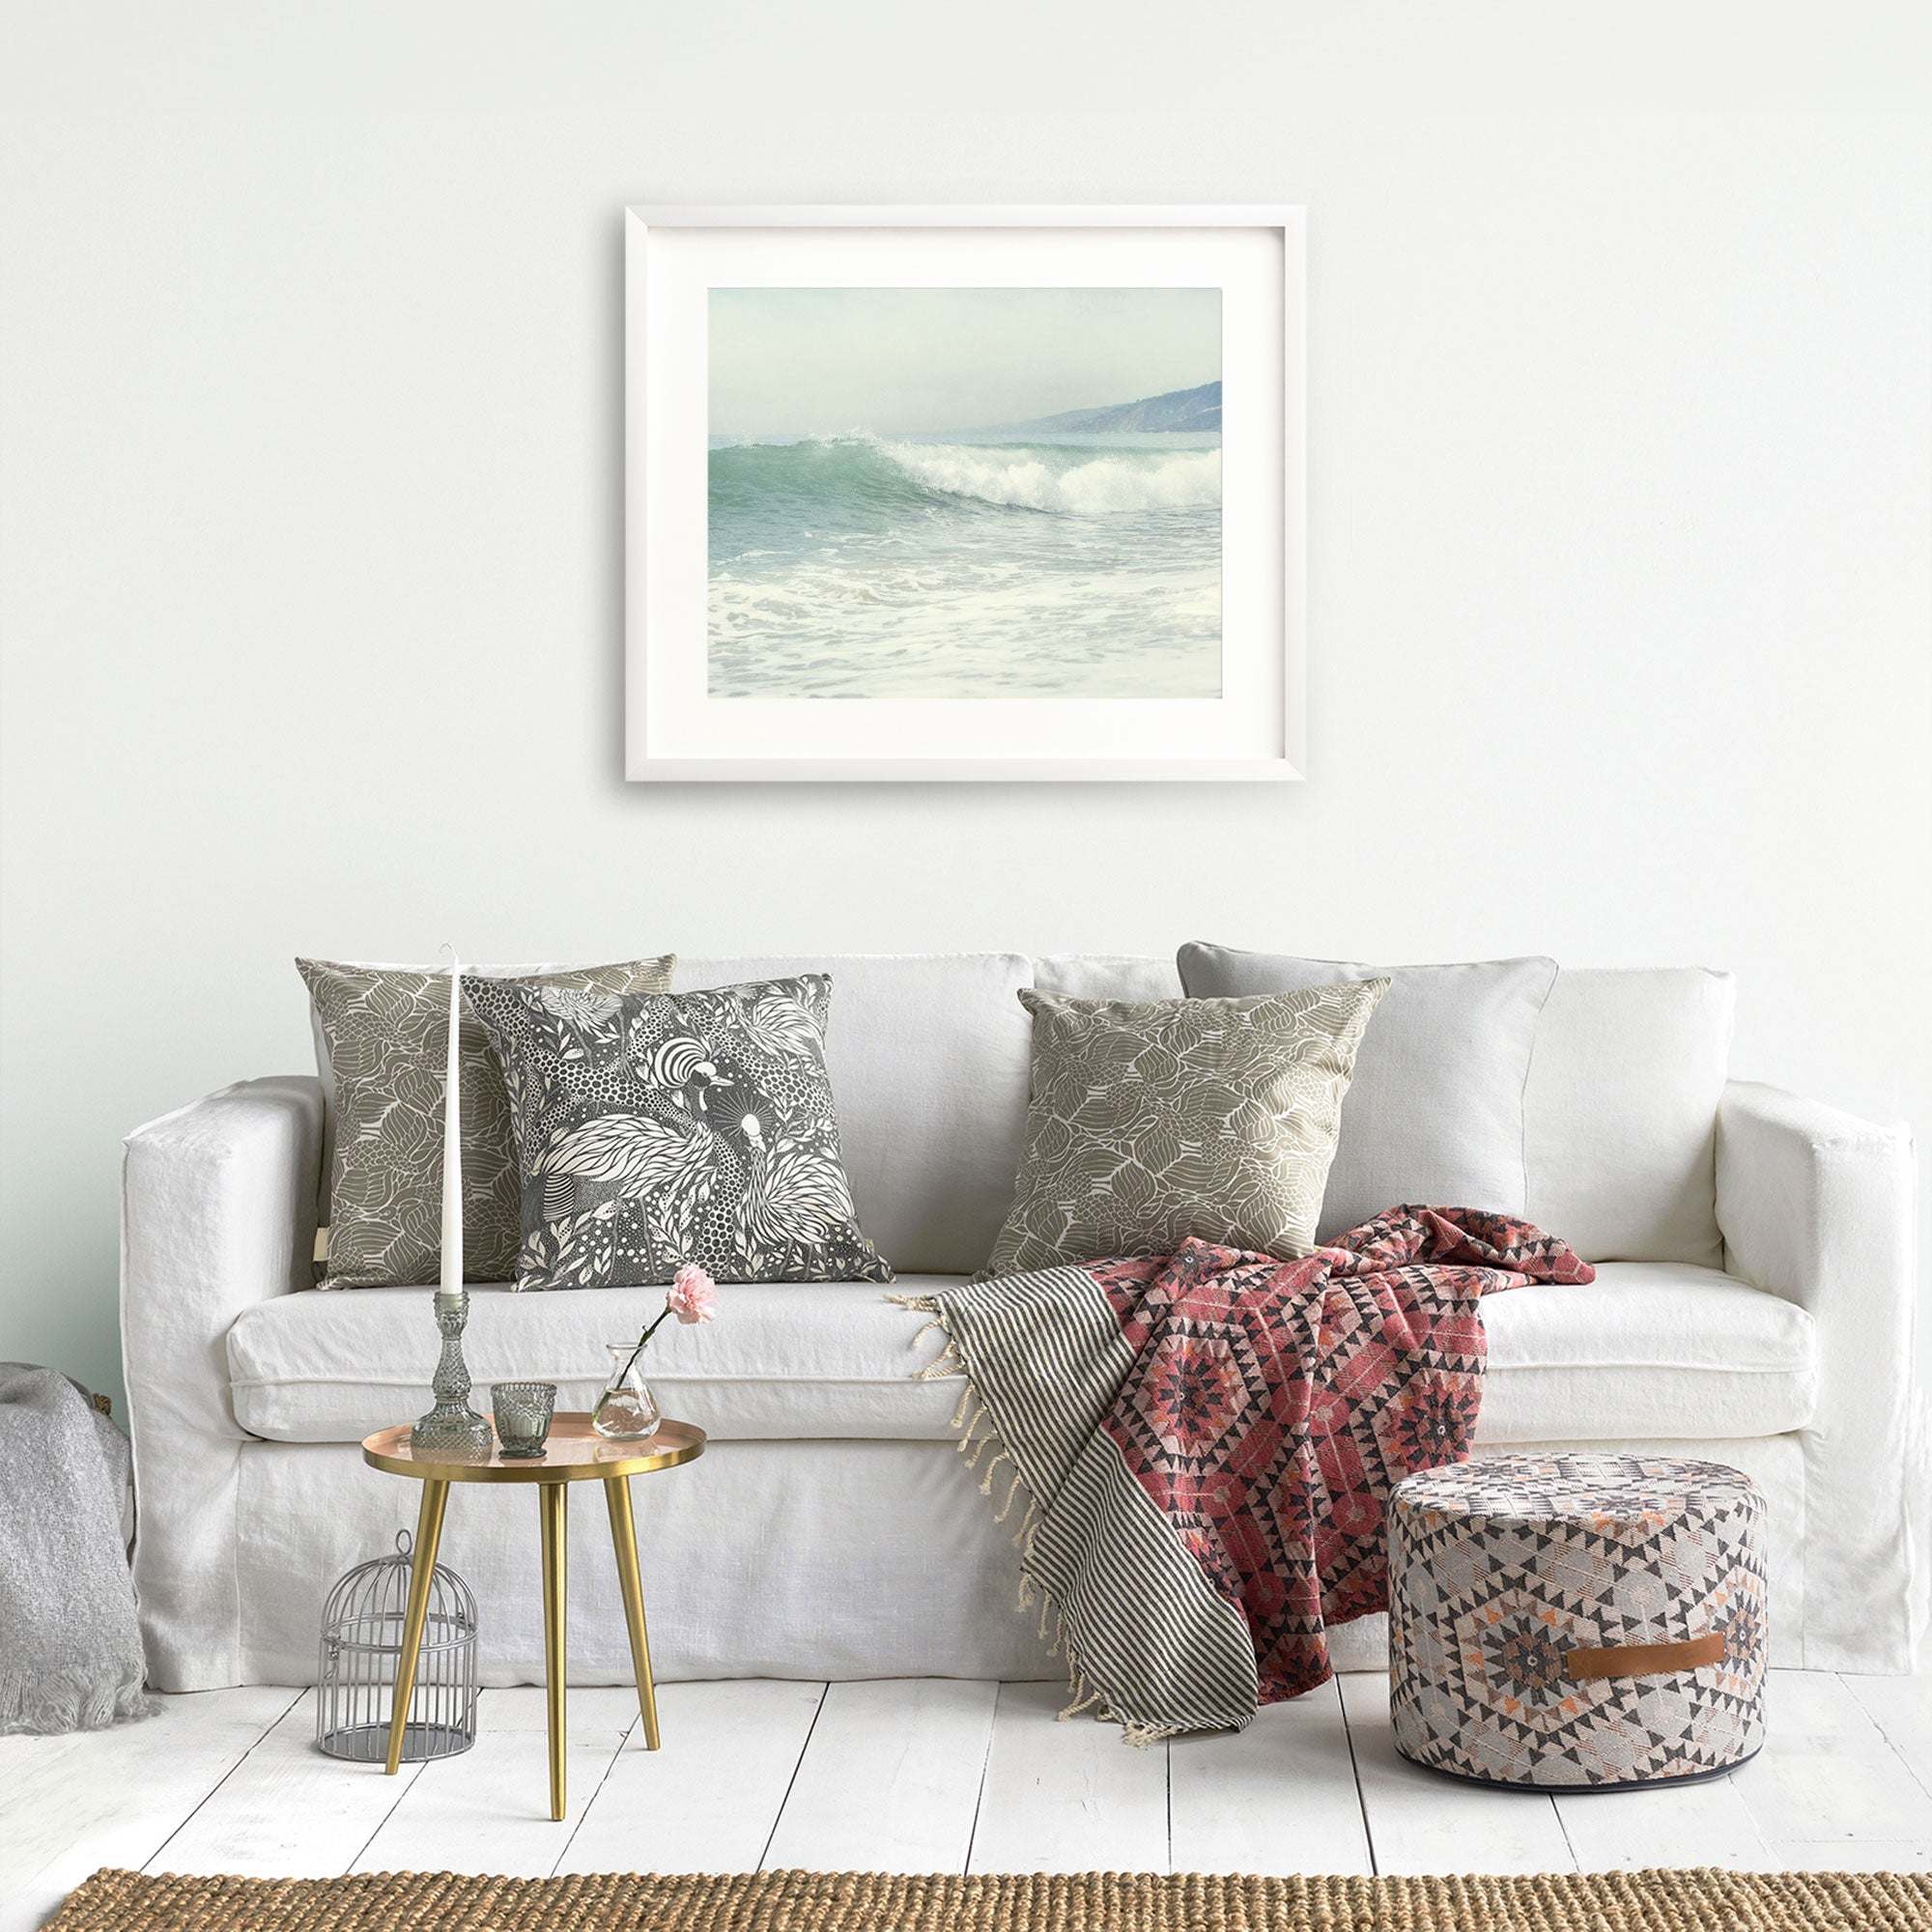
1753 1304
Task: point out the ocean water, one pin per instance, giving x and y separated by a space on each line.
966 566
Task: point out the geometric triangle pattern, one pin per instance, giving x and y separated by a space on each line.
1208 1441
1507 1575
1272 1407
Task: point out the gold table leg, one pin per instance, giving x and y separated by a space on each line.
554 1503
422 1570
624 1538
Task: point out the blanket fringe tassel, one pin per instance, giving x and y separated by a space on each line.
1006 1508
947 1362
979 1433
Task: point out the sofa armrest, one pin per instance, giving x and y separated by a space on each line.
217 1212
1817 1205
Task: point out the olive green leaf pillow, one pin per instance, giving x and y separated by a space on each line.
383 1034
1152 1122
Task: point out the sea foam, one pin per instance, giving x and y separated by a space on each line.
1102 486
880 566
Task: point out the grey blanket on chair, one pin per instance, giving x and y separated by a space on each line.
70 1644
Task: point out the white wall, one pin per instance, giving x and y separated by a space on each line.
1621 406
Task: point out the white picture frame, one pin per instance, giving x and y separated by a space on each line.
677 732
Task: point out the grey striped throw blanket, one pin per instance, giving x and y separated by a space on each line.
1204 1443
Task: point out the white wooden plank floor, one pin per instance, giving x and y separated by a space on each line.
926 1775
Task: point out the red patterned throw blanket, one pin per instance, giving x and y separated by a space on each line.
1204 1443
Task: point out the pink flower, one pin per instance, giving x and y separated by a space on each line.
694 1294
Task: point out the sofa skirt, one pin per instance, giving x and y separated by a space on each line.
806 1560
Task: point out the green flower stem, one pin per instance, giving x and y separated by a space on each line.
650 1329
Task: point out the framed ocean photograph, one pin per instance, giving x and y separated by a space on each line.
964 493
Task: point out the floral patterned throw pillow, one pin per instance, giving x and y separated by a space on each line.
1152 1122
682 1128
385 1031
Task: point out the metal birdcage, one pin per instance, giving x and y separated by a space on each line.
361 1645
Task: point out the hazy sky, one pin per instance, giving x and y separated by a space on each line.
819 361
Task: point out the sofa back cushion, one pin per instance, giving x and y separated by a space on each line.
1621 1110
927 1055
1106 976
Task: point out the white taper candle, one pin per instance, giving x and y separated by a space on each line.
452 1143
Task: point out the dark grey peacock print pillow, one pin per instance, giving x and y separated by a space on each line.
656 1129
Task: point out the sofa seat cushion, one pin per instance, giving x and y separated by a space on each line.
781 1359
1650 1350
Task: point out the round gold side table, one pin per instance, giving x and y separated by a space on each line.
575 1453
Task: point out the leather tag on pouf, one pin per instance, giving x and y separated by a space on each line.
1644 1660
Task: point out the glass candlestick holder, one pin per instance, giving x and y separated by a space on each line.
453 1430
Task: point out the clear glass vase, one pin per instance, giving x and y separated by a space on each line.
627 1409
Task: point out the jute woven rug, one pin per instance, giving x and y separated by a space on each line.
788 1901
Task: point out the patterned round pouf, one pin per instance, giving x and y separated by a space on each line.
1587 1621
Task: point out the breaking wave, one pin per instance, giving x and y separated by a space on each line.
870 477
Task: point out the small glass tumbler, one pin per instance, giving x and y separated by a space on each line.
522 1412
626 1411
